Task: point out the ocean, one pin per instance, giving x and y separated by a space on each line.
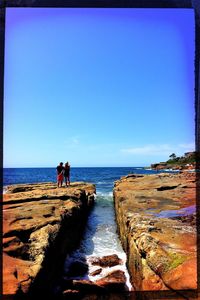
102 177
100 236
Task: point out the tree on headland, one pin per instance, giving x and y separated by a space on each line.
173 156
189 158
173 159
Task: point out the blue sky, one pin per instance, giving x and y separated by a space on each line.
97 87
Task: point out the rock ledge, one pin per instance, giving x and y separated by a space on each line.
41 224
156 216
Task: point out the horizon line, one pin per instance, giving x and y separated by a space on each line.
139 166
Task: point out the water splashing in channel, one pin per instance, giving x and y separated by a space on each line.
100 239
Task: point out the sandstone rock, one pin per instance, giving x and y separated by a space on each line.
16 275
96 272
41 224
87 286
71 294
106 261
114 281
156 232
183 277
150 280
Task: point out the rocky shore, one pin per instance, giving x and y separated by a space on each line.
156 217
41 224
112 281
174 167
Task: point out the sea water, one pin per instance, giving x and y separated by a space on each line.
100 239
100 236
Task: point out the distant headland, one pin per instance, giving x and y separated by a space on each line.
186 162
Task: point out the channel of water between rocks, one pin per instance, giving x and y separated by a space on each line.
100 239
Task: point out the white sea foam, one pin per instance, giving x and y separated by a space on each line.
101 238
171 170
105 194
5 189
105 271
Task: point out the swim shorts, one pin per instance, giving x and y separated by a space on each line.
60 177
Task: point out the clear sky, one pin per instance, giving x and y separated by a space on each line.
97 87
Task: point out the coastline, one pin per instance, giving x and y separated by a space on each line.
139 207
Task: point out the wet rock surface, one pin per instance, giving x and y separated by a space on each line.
156 216
41 224
106 261
114 281
111 280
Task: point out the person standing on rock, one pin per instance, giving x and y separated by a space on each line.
60 177
67 173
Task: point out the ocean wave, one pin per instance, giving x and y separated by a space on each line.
170 170
105 194
139 168
5 189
